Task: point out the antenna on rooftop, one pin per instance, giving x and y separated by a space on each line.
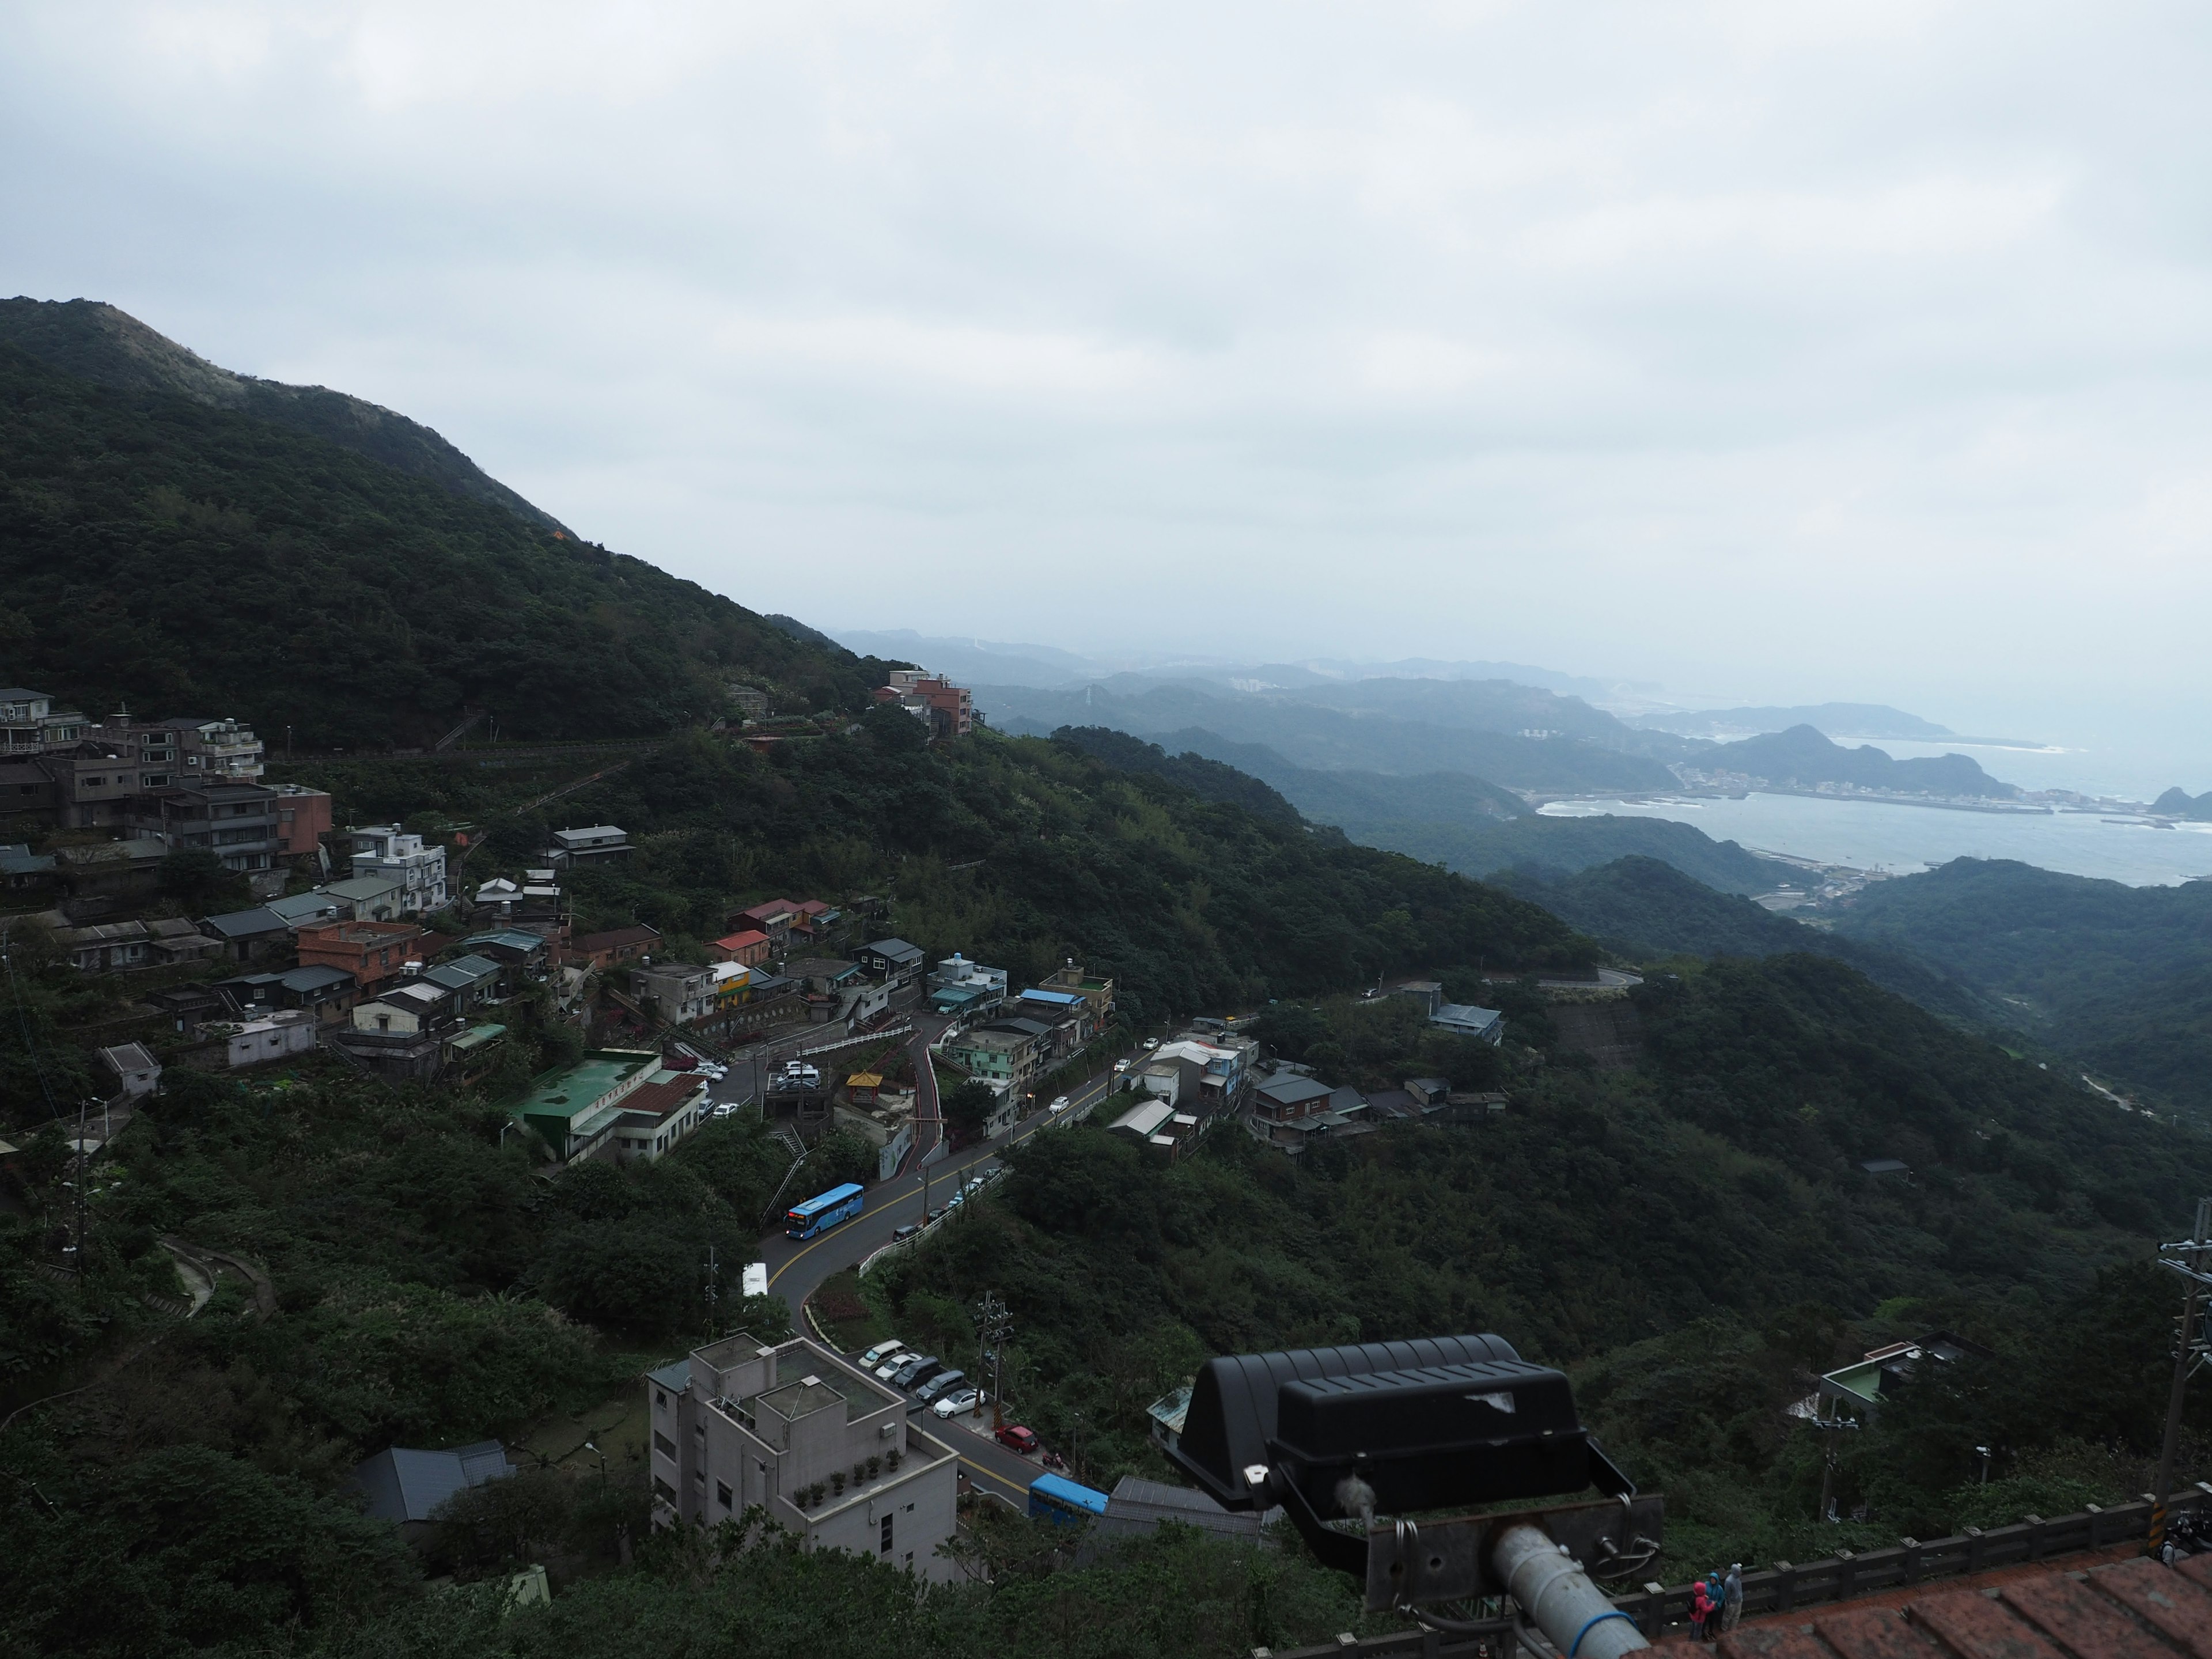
2192 1258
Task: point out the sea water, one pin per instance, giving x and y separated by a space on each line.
1879 836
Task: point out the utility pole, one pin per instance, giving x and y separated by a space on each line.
2190 1258
993 1325
713 1293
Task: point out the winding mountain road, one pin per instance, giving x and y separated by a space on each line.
797 1269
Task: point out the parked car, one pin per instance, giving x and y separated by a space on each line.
934 1215
889 1371
900 1234
1059 1105
1016 1439
974 1186
923 1370
960 1401
727 1109
939 1386
880 1352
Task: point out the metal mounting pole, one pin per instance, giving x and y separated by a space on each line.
1561 1599
2188 1350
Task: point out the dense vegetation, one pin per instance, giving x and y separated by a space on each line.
2120 977
1549 847
1022 853
184 559
96 342
1648 910
1694 1236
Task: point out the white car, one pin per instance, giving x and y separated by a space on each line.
880 1352
1059 1105
960 1401
1120 1067
1151 1042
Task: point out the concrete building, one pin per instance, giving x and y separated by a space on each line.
748 947
613 1097
677 992
372 951
382 852
1000 1059
1154 1125
1465 1019
891 959
278 1035
135 1072
227 815
829 1453
29 723
212 752
595 843
947 709
303 818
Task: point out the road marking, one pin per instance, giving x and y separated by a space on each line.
992 1475
1042 1123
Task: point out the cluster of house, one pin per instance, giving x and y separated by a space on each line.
737 992
1007 1041
948 710
153 786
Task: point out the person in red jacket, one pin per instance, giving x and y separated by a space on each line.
1701 1609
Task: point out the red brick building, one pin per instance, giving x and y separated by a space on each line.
372 951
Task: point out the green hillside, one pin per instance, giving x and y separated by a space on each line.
1331 739
2120 977
1648 910
98 342
189 559
1021 852
1695 1235
1553 847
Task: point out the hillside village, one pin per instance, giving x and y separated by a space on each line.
370 944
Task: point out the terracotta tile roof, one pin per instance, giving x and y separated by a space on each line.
2134 1609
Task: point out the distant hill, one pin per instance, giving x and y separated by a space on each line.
1646 909
1210 779
1352 801
1837 719
1801 756
162 550
1328 740
1551 847
1490 705
95 342
2120 976
968 661
2178 803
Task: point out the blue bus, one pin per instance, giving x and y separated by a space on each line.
819 1214
1062 1502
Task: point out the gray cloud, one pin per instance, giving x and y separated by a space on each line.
1773 351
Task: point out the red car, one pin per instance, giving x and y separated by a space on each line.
1014 1438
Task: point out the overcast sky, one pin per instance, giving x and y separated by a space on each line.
1770 351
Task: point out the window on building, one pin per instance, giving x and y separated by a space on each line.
723 1495
660 1399
885 1547
663 1444
663 1491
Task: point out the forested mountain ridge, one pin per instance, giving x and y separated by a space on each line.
1645 908
1803 756
1308 734
96 342
2119 976
179 557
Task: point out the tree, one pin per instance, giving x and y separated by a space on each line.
196 881
966 1110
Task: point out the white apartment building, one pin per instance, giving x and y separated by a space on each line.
828 1452
382 850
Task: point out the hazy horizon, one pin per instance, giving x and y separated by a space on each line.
1774 357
